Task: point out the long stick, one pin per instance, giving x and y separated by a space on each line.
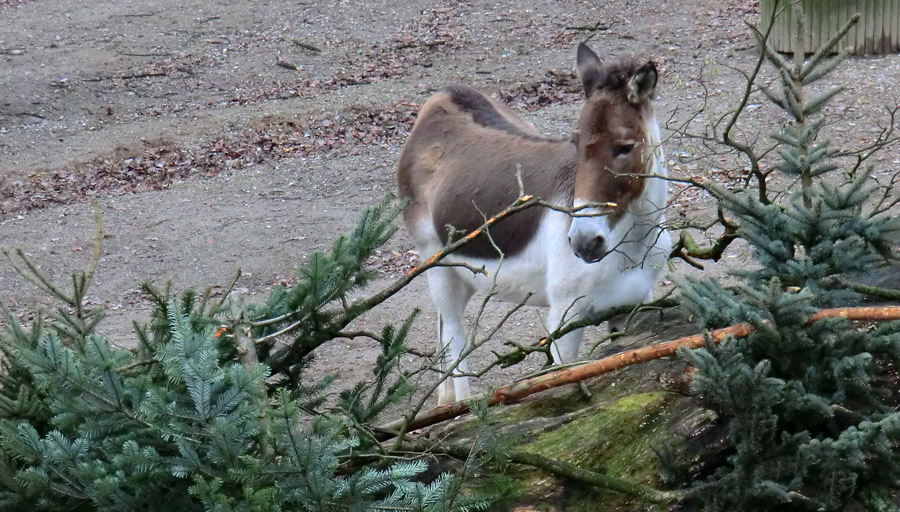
520 390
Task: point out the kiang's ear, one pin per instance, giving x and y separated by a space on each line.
642 84
588 66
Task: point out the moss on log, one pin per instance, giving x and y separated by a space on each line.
617 432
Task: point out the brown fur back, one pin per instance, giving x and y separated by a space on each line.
459 167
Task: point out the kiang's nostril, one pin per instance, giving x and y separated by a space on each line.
590 248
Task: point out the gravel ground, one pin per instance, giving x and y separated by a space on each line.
229 135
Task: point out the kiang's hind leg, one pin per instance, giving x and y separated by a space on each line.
450 295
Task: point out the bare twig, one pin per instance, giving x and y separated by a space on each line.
28 114
746 149
307 46
287 65
136 364
356 334
133 54
426 44
475 270
471 343
523 203
599 26
521 351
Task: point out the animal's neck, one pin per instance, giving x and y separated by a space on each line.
652 202
647 212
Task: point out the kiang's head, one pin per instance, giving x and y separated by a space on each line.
615 147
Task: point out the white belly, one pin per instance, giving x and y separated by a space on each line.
548 269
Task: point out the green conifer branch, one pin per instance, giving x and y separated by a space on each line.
872 291
34 275
798 392
813 64
98 245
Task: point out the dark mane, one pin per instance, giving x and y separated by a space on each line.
615 75
482 110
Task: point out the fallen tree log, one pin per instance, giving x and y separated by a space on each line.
522 389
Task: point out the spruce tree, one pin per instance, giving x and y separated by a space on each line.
809 405
190 421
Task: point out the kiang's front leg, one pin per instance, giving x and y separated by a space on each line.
564 348
619 322
636 288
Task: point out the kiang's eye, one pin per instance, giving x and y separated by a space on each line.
624 149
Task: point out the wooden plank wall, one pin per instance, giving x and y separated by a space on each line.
878 30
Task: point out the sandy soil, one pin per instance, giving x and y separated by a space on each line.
214 141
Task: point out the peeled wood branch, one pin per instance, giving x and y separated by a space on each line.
520 390
867 314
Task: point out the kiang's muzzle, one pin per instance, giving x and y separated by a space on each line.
589 238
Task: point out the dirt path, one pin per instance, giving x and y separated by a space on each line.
208 155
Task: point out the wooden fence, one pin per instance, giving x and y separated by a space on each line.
878 30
